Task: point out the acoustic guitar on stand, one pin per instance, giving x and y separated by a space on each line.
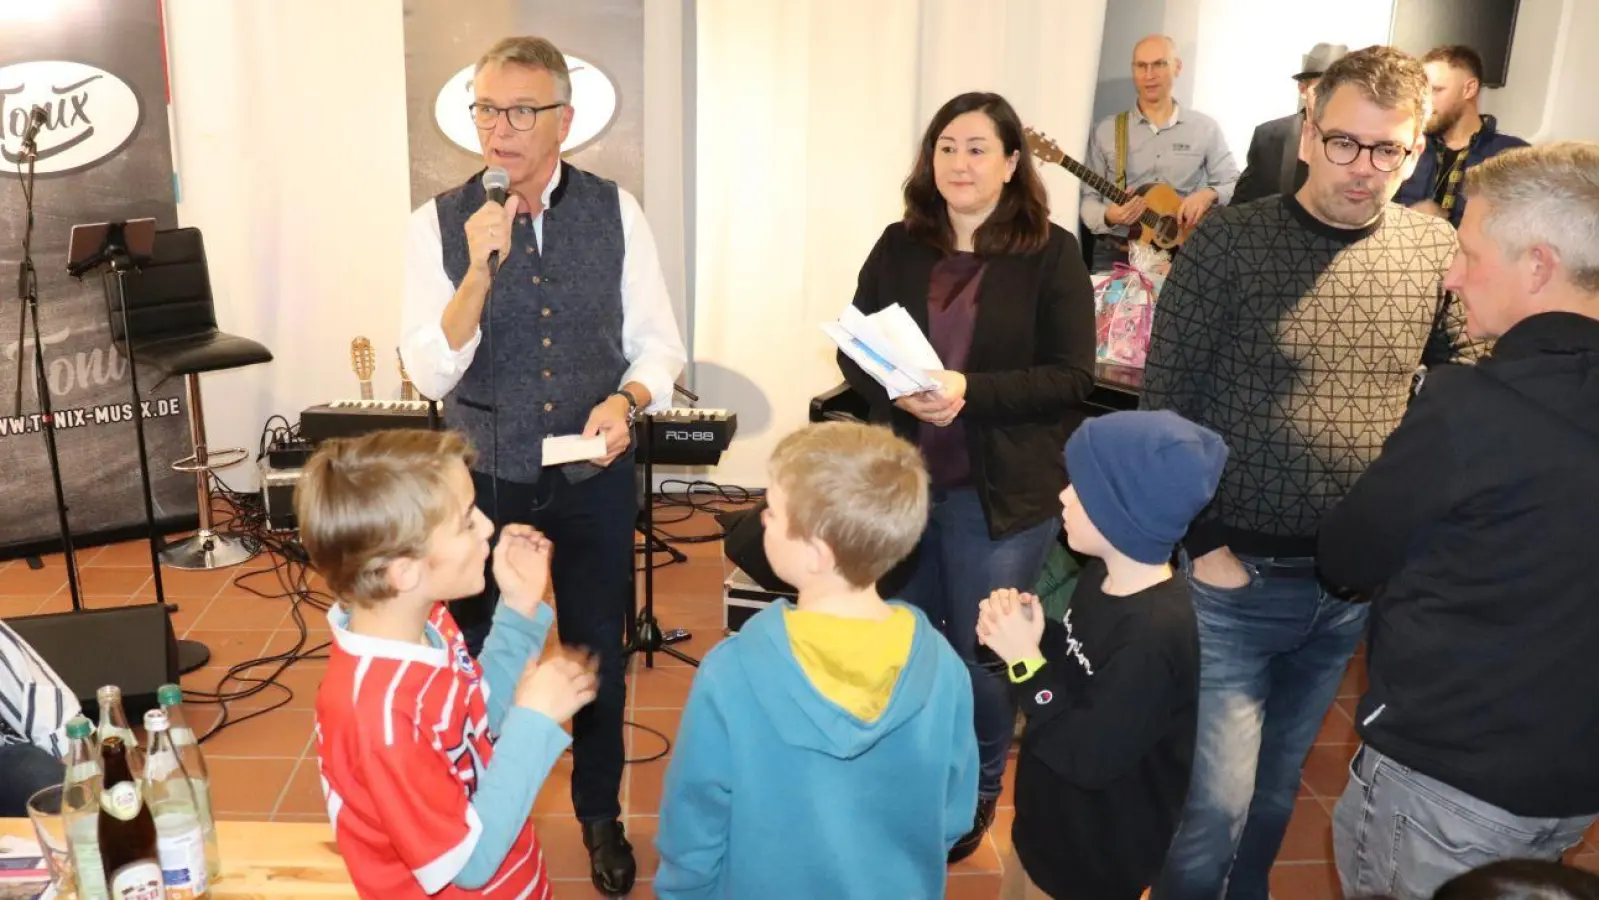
362 361
1158 225
407 389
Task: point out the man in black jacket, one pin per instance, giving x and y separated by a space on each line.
1273 165
1473 533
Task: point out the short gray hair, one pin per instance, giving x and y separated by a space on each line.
1548 194
1387 77
533 52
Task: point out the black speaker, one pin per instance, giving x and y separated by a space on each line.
132 647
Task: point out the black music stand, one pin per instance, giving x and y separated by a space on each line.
644 632
28 294
123 247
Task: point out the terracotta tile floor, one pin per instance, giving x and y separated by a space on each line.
265 768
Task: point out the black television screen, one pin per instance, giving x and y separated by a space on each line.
1485 26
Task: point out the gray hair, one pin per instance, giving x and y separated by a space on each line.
1385 76
1548 194
533 52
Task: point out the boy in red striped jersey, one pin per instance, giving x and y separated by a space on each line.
430 762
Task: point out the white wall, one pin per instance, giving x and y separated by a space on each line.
1548 94
808 120
291 156
291 153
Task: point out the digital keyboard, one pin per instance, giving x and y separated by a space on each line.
352 418
691 437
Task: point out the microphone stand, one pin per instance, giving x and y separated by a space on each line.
28 293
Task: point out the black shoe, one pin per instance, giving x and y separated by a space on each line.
610 857
973 839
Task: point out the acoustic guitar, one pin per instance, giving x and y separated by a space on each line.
1158 225
361 360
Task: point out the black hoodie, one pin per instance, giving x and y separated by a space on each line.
1474 533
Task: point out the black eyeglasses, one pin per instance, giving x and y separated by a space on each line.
522 118
1343 150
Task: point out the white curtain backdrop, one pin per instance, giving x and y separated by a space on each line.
808 116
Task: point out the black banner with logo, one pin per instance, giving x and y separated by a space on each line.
603 41
98 68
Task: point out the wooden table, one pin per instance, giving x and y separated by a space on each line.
262 860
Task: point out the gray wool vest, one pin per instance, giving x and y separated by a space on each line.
553 324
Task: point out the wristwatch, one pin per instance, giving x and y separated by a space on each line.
632 404
1023 669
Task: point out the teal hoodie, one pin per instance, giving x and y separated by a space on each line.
776 792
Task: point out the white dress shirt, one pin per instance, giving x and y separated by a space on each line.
650 338
35 703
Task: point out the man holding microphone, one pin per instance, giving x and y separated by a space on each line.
578 337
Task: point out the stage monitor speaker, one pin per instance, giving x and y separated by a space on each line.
132 647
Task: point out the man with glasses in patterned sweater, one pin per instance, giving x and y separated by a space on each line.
1293 329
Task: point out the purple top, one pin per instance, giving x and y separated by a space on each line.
951 315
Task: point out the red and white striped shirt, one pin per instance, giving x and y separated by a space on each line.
402 739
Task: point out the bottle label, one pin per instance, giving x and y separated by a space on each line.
183 866
122 800
139 880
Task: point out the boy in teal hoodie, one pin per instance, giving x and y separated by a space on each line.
827 749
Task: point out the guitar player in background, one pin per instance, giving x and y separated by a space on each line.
1155 142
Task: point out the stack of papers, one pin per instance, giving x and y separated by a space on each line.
889 346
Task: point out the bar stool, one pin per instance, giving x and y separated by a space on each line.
172 326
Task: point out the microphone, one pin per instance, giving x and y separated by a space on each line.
36 120
497 185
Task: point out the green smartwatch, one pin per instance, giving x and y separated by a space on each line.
1023 669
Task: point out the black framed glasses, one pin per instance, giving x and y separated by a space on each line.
522 118
1343 150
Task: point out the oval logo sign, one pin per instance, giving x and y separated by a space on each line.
92 113
593 107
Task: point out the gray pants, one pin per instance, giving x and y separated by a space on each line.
1400 833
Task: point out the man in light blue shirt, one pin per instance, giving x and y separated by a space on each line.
1180 147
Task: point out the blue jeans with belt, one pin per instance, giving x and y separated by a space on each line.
1272 654
957 566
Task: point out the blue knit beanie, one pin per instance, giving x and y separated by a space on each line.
1142 477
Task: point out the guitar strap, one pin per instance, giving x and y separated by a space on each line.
1121 150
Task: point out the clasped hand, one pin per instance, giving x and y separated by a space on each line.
1011 624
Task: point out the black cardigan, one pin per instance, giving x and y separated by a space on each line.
1030 368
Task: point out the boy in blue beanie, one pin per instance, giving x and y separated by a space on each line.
1111 694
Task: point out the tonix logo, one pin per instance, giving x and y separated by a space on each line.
92 113
594 105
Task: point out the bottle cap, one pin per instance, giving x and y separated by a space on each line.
109 690
156 720
78 727
169 695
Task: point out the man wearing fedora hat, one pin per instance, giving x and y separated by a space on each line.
1273 165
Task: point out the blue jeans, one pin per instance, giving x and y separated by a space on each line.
957 566
1272 654
25 770
1400 833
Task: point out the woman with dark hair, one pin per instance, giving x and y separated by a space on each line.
1003 296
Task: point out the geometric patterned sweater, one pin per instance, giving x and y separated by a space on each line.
1298 343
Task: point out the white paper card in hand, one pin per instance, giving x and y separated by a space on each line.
897 326
568 448
861 340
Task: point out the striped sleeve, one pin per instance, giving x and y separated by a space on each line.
34 701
